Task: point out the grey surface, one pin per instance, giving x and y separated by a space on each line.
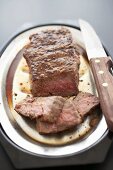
17 13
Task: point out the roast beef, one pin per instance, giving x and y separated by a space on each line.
53 60
73 113
68 118
55 114
85 103
45 108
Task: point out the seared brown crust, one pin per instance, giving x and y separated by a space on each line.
53 63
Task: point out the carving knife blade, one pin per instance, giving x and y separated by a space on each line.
100 65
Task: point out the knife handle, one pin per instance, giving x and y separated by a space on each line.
104 82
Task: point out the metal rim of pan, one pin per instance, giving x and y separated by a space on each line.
4 48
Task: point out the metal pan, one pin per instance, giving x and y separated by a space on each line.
7 120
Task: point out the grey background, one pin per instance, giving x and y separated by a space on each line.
15 13
18 14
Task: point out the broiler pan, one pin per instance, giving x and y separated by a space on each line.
11 127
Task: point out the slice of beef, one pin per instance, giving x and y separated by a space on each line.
68 118
53 61
85 103
45 108
73 113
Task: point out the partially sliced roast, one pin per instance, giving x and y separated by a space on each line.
53 60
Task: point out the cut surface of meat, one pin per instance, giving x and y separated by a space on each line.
73 113
68 118
55 113
53 60
45 108
85 103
